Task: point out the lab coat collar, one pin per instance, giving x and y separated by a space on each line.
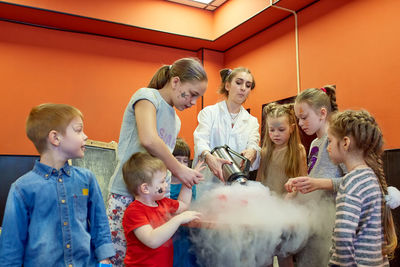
243 116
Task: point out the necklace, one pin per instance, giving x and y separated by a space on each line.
234 117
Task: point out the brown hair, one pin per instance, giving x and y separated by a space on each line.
368 137
139 169
227 76
187 69
181 148
317 98
292 156
47 117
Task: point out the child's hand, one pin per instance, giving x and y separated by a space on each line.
289 185
302 184
188 176
188 216
200 166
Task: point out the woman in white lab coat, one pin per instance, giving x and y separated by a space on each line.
227 122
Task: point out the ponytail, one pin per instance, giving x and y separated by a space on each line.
160 78
317 98
187 69
330 91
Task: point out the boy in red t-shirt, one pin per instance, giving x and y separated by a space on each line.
149 221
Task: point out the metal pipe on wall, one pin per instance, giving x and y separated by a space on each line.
272 4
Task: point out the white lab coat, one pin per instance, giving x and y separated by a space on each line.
215 129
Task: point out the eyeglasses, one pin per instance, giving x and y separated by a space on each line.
312 158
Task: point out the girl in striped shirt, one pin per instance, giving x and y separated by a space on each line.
364 233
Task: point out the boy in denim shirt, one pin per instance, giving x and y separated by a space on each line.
55 213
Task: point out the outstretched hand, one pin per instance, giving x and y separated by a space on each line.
302 184
188 176
188 216
200 166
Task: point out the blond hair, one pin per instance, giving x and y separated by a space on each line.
139 169
293 155
317 98
227 75
187 69
47 117
368 138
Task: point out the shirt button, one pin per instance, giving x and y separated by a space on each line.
60 180
68 246
65 223
63 201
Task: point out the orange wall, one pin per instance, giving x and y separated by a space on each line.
213 62
353 44
98 75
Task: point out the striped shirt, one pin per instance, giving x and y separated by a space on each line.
358 235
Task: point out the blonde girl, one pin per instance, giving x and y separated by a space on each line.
364 231
282 154
313 108
151 124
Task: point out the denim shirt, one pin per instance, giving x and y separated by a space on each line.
55 218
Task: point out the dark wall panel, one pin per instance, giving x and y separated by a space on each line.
12 167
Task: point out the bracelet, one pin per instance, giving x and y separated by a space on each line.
204 154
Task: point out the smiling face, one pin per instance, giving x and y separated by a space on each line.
309 120
187 93
279 130
72 143
240 87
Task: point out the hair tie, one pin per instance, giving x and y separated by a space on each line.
323 89
393 197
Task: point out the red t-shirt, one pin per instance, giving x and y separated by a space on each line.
138 214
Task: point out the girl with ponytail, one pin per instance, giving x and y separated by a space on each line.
151 124
364 230
313 107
